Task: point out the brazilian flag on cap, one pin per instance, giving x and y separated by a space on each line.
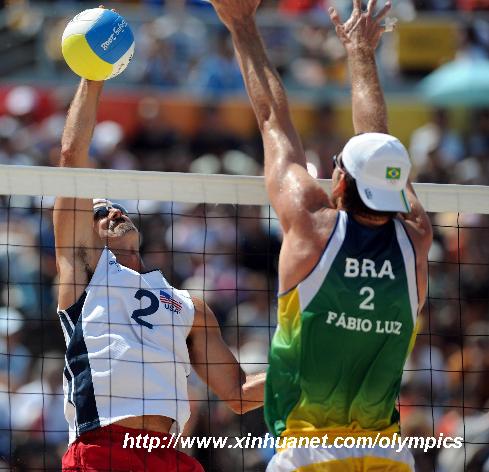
393 173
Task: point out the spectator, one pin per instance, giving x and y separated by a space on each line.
14 357
436 136
218 74
478 140
299 6
324 139
155 143
213 136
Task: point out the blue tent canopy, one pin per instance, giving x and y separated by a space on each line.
461 82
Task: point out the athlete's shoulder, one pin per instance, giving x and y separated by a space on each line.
302 250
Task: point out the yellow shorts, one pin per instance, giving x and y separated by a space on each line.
341 460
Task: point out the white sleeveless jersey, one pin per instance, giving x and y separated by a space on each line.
126 349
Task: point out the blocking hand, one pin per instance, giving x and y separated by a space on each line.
362 30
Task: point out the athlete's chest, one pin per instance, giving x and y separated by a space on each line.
119 292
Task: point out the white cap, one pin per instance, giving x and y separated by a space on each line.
380 165
98 202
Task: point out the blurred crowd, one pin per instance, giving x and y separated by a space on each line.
181 47
301 6
228 255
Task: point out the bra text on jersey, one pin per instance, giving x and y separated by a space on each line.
367 268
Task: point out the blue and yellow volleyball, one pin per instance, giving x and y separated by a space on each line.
97 44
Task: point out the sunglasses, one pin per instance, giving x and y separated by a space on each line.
337 162
103 212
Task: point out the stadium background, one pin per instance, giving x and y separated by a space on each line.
181 106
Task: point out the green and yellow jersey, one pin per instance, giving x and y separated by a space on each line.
344 334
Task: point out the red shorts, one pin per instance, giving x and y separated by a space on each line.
102 450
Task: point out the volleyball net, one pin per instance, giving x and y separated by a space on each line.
217 237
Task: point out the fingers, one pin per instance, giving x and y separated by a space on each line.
335 17
339 28
341 33
102 6
371 7
357 24
358 17
382 13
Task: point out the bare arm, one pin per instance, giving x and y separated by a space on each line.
370 111
293 192
79 125
72 217
361 35
217 367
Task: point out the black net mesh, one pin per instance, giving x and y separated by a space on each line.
228 255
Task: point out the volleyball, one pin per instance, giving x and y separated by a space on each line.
97 44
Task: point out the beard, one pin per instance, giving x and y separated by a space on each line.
119 228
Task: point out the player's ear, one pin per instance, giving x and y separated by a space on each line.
342 182
339 186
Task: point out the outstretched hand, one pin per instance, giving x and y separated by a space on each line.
362 30
233 12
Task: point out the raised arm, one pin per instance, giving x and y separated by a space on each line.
360 35
79 125
293 192
73 217
217 367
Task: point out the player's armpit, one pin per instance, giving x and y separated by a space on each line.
295 195
74 239
73 224
216 365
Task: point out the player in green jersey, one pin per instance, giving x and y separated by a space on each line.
353 265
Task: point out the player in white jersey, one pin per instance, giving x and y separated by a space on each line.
131 337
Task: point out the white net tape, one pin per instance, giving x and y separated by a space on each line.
198 188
